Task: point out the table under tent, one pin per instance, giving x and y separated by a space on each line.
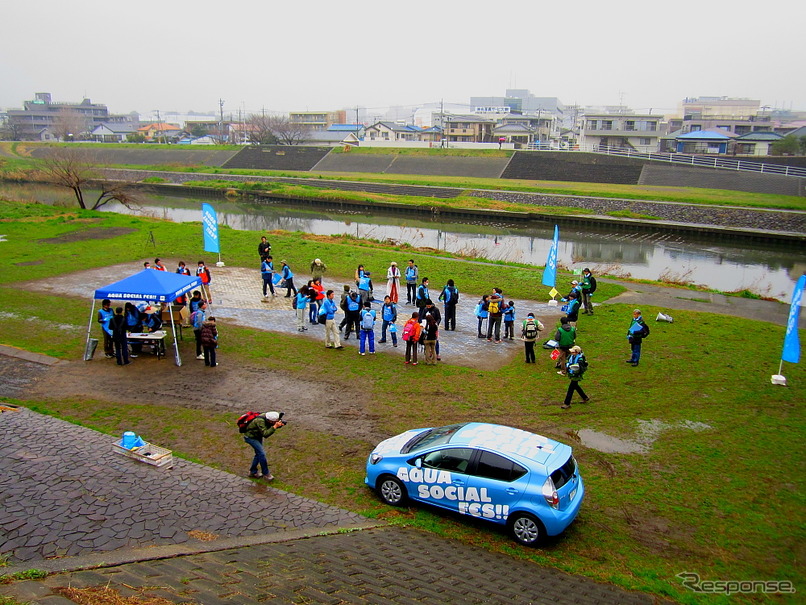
151 286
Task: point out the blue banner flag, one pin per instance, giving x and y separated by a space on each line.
791 342
550 273
210 228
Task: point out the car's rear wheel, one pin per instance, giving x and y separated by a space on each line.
526 529
391 490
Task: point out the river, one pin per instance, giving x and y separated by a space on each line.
768 271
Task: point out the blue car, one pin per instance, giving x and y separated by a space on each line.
502 474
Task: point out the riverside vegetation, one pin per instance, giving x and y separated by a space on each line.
725 501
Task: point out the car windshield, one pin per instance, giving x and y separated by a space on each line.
564 473
431 437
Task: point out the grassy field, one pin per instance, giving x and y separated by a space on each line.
719 491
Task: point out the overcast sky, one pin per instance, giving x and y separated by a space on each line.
180 55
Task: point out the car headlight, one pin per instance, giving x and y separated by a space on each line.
375 458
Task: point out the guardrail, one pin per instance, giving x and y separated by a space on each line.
741 165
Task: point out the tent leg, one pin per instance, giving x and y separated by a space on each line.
89 325
177 358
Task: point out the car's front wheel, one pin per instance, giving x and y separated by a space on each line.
391 490
526 529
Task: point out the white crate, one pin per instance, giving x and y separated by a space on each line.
148 453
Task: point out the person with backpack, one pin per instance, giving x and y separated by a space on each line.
134 323
529 330
261 427
494 315
575 368
411 336
367 330
301 300
412 274
481 313
209 340
389 317
431 310
267 273
509 320
422 295
194 302
588 287
197 321
450 296
329 309
565 337
636 333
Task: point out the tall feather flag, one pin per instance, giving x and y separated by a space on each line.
550 272
210 229
791 352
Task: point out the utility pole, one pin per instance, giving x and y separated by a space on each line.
221 122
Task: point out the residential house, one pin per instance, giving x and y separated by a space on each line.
160 131
465 128
113 133
520 134
735 116
639 132
392 131
755 143
703 142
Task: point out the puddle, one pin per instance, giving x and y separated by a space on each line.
646 434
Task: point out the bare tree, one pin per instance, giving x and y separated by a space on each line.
260 130
288 132
10 131
74 169
69 124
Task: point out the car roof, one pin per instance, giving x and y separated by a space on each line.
509 440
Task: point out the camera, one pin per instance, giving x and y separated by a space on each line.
281 420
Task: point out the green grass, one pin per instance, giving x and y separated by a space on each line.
726 502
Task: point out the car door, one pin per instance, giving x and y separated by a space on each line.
495 486
440 476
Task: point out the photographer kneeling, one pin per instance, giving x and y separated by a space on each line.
259 428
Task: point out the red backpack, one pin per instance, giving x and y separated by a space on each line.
408 330
244 420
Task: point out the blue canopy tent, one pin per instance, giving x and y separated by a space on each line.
149 285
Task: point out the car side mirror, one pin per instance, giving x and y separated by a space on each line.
418 463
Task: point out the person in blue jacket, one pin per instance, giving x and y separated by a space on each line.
450 296
365 287
509 320
367 330
267 273
105 313
288 277
352 309
301 301
482 313
329 308
422 295
389 317
412 274
572 308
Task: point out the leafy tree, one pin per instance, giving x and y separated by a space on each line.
199 130
74 169
789 145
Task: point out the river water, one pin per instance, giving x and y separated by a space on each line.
769 271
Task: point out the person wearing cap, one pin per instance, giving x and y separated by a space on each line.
259 429
318 269
288 279
572 307
529 330
575 289
393 282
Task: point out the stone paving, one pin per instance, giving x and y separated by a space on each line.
64 492
382 565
